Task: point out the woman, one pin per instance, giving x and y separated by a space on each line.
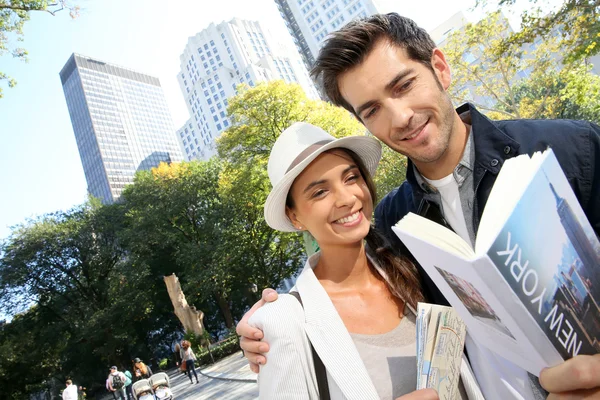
356 301
188 357
141 370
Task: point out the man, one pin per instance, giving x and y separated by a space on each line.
70 392
388 73
116 383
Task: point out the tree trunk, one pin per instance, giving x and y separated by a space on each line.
190 318
225 310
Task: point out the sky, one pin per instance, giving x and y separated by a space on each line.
42 171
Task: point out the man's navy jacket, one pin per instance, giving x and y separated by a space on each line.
576 145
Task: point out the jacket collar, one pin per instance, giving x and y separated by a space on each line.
330 338
492 147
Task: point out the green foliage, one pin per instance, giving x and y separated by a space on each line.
511 80
13 15
163 364
576 22
218 351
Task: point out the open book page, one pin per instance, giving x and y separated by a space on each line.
492 312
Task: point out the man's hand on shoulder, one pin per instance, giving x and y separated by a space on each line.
577 378
250 342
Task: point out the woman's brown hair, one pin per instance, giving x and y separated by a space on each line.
403 278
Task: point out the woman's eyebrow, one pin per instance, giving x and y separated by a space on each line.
319 182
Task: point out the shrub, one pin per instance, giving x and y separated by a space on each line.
163 364
219 350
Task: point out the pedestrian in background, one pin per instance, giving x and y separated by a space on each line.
141 370
116 383
188 357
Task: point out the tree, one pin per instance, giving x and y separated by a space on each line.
576 22
89 303
572 93
13 15
508 80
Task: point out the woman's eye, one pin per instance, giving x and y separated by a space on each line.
318 193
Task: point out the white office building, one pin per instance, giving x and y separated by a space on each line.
309 21
218 59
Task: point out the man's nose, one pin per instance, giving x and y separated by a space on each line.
400 114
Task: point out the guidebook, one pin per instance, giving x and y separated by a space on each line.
530 290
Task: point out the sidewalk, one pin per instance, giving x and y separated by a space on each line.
232 368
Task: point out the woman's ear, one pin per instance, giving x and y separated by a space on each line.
293 218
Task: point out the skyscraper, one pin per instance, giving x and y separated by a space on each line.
121 121
309 21
218 59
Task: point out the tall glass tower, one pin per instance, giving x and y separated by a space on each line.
121 121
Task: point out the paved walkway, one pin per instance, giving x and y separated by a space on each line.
229 378
220 386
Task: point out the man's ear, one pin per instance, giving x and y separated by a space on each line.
441 68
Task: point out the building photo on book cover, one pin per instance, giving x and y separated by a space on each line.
557 276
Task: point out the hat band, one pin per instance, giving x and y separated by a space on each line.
306 152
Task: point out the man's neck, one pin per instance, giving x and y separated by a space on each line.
446 164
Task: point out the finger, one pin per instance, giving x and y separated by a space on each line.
269 295
253 346
589 394
580 372
254 368
423 394
244 329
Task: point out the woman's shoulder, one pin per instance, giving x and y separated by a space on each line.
286 308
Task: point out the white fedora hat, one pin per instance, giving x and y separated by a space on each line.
297 147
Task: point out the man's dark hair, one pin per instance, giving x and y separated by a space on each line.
348 47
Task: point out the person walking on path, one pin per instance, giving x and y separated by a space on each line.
116 383
70 392
128 385
141 370
188 357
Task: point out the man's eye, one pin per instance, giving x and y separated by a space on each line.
405 86
352 178
370 113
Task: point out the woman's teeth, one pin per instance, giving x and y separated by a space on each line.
349 218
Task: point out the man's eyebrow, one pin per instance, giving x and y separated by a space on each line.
388 87
315 183
398 78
